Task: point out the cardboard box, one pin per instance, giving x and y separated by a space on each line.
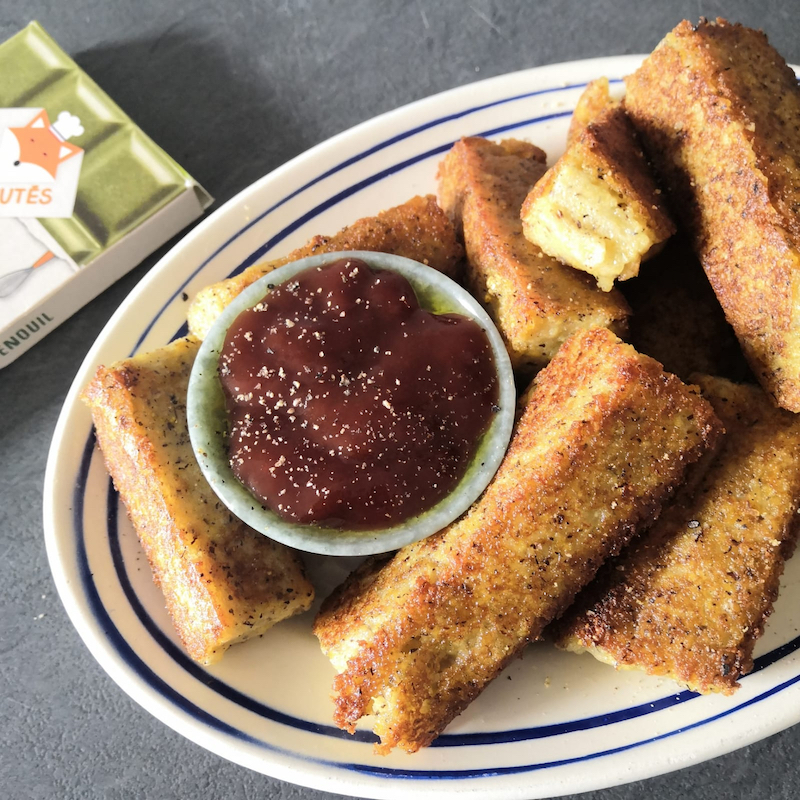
85 195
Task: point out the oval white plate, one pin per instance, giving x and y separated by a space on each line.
553 723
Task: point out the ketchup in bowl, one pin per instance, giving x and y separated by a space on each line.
349 405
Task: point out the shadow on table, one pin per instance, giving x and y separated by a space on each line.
222 120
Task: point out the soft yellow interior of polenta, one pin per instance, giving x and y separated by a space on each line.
585 223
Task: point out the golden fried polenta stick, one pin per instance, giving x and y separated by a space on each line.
595 99
417 229
223 582
689 599
536 302
598 209
604 438
718 111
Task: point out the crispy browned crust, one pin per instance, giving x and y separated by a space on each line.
599 193
609 144
604 439
535 301
718 111
678 320
690 598
222 581
595 99
417 229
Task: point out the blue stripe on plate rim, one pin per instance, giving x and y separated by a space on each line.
134 662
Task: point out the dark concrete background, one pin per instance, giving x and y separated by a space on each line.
233 89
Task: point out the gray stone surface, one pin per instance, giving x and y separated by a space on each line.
233 89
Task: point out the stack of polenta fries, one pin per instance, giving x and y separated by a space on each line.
635 516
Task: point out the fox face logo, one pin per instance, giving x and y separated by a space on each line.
33 153
39 169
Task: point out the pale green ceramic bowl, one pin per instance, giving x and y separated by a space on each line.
208 423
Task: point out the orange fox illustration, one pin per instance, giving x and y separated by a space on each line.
39 147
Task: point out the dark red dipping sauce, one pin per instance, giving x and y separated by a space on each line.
350 406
